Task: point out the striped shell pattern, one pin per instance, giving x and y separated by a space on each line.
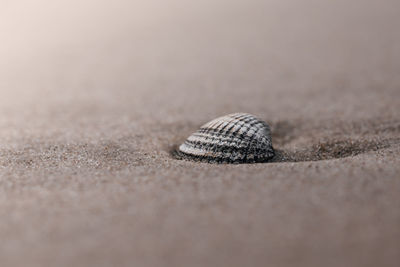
234 138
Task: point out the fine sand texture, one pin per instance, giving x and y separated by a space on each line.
96 95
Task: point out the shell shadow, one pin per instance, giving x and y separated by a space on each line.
283 132
331 150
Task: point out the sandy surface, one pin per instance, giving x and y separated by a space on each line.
94 96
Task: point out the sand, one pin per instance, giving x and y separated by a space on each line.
94 96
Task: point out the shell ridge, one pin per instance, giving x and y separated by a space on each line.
252 139
223 139
226 147
252 124
245 121
226 125
231 127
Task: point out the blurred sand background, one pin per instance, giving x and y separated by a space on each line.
95 94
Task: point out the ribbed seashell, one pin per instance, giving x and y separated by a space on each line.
234 138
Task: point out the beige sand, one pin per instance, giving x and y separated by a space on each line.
94 96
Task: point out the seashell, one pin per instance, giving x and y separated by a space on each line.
234 138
